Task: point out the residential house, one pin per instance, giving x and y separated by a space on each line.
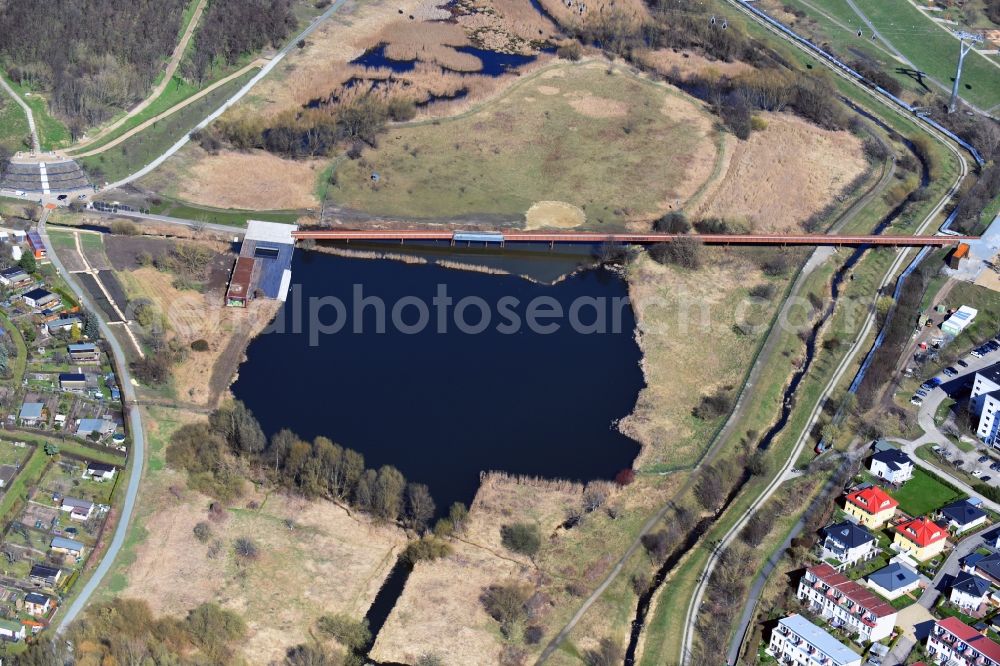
14 276
892 465
31 413
44 575
841 600
893 580
37 298
78 509
969 591
796 640
99 471
988 567
872 506
12 631
87 427
962 516
72 381
37 604
921 538
64 324
36 245
992 538
65 546
955 643
984 402
84 352
848 543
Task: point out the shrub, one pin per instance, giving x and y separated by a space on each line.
523 538
200 345
625 477
570 51
506 604
674 222
713 406
765 291
352 634
402 109
124 228
246 549
684 251
426 548
203 532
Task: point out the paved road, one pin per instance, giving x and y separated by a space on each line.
264 71
35 143
136 452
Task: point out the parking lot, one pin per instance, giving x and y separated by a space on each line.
957 388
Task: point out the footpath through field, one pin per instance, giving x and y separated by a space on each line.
168 75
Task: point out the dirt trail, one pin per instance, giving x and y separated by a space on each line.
168 75
190 100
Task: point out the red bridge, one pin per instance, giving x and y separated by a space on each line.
552 237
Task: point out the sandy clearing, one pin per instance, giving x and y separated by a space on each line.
547 90
255 180
806 167
557 214
278 595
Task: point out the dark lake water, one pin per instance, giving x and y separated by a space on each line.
442 407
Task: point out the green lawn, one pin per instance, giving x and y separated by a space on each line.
13 124
52 133
141 149
923 494
28 475
230 216
931 49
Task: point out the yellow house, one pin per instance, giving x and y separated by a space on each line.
872 507
920 538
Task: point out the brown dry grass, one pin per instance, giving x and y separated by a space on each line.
505 25
329 562
783 174
684 319
688 63
255 180
440 610
596 10
192 315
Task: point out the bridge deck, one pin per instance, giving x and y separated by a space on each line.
644 239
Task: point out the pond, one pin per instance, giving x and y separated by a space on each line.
446 391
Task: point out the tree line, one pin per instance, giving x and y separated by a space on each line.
94 58
231 28
220 453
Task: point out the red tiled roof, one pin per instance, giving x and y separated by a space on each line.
872 500
959 628
859 594
922 531
966 633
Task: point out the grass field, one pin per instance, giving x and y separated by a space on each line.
230 216
610 143
923 494
139 150
13 124
52 133
932 49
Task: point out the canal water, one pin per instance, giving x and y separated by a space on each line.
444 405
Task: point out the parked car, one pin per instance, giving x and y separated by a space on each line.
921 392
982 459
977 473
995 466
985 478
950 371
978 352
916 400
992 346
962 363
